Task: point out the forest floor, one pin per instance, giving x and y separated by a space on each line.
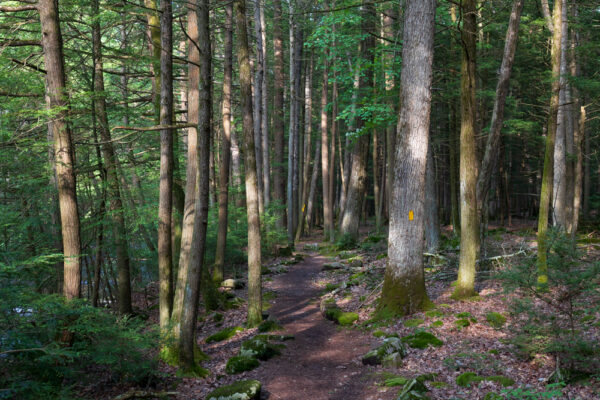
323 361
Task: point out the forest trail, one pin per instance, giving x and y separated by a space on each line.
323 362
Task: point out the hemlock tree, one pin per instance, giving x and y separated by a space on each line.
469 221
547 177
57 101
404 285
254 256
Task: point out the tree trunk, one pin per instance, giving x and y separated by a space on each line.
196 269
559 195
165 197
278 124
218 272
313 185
254 256
469 222
327 209
404 284
64 153
432 225
110 161
257 108
357 184
192 170
266 165
547 176
390 131
154 43
492 148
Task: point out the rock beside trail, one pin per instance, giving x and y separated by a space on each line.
332 312
232 284
389 353
242 390
333 266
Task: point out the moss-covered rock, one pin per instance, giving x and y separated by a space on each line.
224 334
422 340
269 326
438 384
333 313
242 390
389 353
241 363
413 323
260 348
501 379
232 284
495 319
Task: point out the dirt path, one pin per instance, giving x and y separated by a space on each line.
323 362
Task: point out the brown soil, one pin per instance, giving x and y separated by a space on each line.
323 362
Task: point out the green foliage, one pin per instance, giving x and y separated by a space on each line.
259 347
346 242
434 314
553 391
39 363
224 334
462 323
466 378
553 325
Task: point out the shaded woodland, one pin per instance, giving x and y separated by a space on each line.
178 176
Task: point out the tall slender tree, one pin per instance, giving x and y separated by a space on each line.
57 102
254 256
469 221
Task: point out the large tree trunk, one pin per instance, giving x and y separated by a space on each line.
404 285
218 272
196 269
390 131
357 184
578 118
110 162
469 221
278 124
64 153
492 148
264 124
154 44
254 256
165 196
192 170
257 108
547 176
313 186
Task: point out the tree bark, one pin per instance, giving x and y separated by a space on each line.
196 269
192 170
165 197
218 272
432 225
469 221
64 152
327 204
278 124
254 256
404 283
548 172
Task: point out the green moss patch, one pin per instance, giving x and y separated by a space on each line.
495 319
269 326
225 334
462 323
396 381
331 286
333 313
437 324
413 323
467 378
413 390
239 364
434 314
422 340
242 390
438 384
